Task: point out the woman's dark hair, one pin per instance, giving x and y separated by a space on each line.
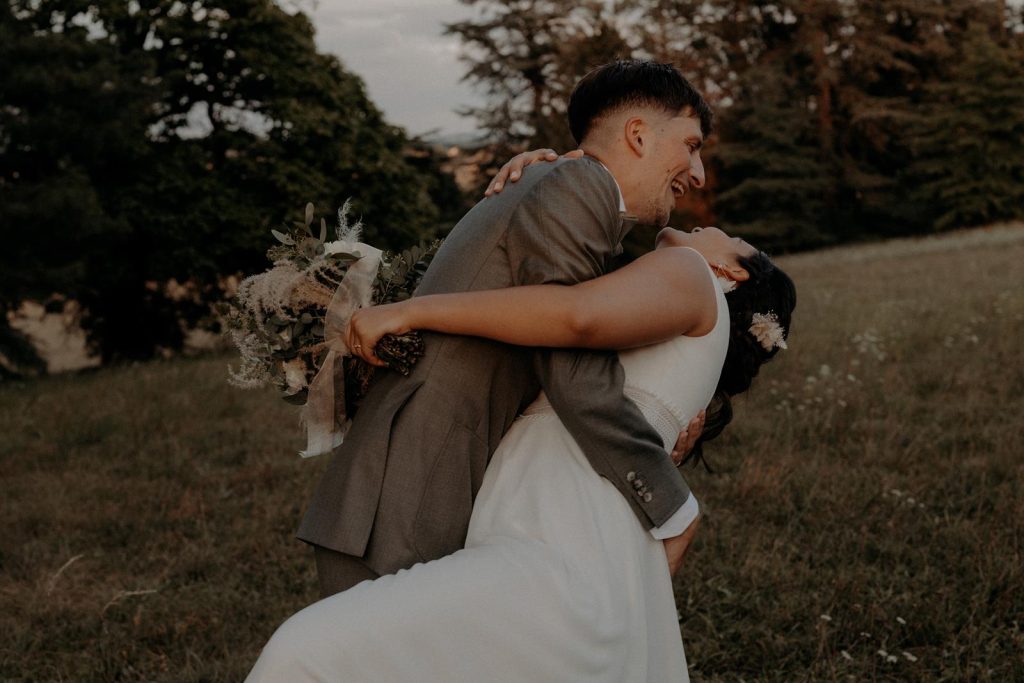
633 82
768 291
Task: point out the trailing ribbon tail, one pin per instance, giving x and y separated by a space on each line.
324 413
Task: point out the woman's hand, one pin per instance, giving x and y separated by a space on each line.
676 547
688 438
368 325
513 168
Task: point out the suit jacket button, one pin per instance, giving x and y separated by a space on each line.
630 476
648 497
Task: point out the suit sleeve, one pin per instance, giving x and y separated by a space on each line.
567 231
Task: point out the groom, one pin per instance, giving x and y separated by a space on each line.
400 489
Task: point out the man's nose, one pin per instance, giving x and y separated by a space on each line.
696 171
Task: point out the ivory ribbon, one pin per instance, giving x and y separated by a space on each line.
324 413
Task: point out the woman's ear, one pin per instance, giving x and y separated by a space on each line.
738 273
734 272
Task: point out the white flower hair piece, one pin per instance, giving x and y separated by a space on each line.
766 330
727 284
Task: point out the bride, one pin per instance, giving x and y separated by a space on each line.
558 580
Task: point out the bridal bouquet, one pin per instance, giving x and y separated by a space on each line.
288 322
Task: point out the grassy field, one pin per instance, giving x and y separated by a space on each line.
866 522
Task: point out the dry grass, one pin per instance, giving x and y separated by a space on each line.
871 497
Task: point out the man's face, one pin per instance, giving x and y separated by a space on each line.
671 166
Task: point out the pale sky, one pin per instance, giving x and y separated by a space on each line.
411 70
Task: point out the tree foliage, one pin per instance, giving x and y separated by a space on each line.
968 142
837 118
527 55
151 140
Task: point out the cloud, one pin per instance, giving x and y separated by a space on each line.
410 68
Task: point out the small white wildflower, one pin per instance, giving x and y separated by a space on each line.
901 620
882 653
825 617
892 659
842 403
896 492
825 371
911 501
909 657
811 379
865 634
851 378
846 655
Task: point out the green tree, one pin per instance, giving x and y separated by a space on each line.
890 52
775 184
526 55
968 145
173 136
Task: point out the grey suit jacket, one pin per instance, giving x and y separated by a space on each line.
400 489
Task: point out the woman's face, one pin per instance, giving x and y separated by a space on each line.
717 247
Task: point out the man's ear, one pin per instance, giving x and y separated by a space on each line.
636 133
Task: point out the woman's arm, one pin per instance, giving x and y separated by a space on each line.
662 294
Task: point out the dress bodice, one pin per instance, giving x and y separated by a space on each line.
674 380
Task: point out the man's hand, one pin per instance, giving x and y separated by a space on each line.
368 325
513 168
676 547
688 437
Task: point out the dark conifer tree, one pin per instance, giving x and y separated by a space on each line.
775 184
968 142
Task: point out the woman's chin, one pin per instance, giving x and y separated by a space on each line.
670 237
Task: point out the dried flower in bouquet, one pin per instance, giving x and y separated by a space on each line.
287 322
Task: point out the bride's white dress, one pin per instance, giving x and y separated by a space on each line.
558 580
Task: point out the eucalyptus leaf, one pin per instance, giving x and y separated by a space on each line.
323 229
283 238
309 213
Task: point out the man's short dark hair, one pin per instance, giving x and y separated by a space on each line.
633 82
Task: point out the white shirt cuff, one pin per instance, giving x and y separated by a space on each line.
679 522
